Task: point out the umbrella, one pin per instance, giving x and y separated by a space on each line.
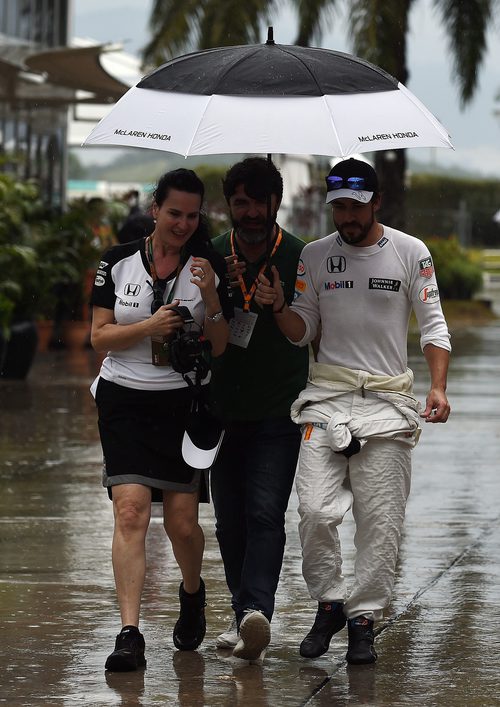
269 98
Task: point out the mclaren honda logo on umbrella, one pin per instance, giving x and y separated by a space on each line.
140 133
387 136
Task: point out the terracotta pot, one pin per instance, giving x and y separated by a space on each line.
45 329
76 335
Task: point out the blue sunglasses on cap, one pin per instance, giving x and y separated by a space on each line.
355 183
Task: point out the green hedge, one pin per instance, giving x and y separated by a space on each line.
459 274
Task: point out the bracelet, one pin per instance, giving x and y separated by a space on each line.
280 310
214 317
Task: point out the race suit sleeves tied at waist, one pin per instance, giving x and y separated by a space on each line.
320 404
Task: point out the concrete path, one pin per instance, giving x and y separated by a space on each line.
438 647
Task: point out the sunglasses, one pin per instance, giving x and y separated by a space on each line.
355 183
158 292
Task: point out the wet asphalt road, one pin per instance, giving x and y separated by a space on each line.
439 645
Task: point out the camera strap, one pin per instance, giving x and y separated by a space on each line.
149 255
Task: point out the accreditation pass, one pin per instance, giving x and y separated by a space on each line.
241 327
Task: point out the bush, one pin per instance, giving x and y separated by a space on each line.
460 275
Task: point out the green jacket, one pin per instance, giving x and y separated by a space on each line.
263 380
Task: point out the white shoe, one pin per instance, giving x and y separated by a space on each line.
229 638
255 635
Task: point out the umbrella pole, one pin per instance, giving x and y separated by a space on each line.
269 227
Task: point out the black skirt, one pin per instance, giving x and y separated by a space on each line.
141 436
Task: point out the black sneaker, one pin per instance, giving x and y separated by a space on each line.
361 650
189 631
129 651
330 619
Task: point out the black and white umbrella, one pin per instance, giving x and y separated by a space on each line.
269 98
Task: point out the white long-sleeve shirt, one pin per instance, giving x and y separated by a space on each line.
363 297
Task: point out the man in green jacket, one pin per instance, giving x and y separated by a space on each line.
253 385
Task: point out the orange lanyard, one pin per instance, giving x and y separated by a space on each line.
248 294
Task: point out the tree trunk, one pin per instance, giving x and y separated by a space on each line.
380 32
390 166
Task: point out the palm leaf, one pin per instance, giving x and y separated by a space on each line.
466 24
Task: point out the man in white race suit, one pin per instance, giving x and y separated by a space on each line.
359 418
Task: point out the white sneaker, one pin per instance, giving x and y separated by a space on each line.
229 638
255 635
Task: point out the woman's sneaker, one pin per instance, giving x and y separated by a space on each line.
129 651
189 631
229 638
255 635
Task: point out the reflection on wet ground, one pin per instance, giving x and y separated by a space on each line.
439 643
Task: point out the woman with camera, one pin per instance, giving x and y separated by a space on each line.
144 293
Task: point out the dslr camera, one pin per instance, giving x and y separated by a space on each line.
186 350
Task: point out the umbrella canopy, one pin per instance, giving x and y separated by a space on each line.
269 98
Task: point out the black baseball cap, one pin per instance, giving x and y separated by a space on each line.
351 179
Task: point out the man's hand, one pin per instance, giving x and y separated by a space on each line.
235 269
270 294
437 407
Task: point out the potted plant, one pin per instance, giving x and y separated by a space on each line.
20 285
44 264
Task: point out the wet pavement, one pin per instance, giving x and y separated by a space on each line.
438 646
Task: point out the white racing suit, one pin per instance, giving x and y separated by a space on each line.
381 412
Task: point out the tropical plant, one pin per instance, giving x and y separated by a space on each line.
379 30
19 268
40 253
200 24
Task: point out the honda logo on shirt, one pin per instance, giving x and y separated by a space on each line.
131 290
336 263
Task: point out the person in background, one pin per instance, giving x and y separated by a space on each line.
144 404
253 384
358 414
138 225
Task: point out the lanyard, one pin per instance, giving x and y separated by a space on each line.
154 275
248 294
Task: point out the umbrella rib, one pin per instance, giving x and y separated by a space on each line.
321 92
195 132
334 127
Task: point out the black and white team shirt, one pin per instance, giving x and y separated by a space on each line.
124 284
364 297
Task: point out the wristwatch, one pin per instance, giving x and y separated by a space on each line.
214 317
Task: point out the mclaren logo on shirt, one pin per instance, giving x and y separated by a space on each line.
339 285
384 283
131 289
336 263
